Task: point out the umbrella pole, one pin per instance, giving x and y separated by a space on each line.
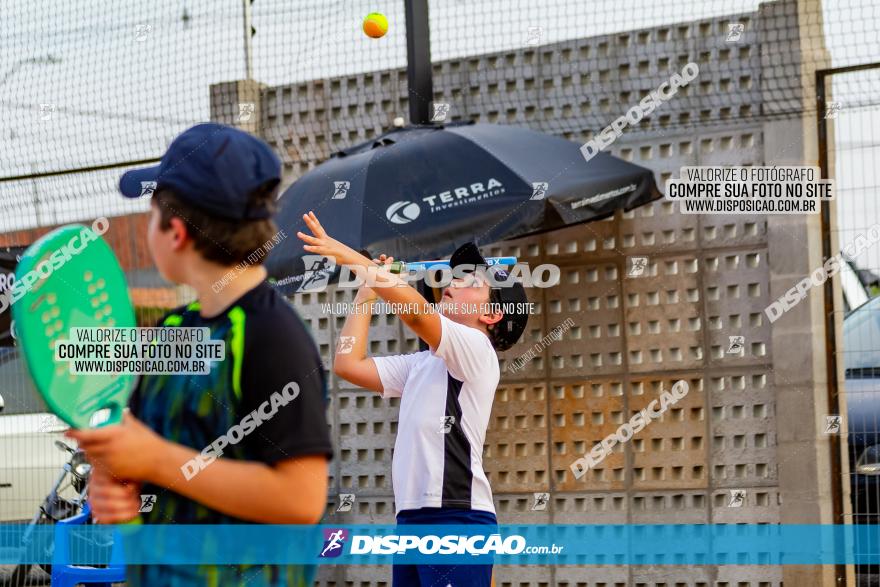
418 61
420 86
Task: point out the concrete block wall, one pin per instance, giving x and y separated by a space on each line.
708 278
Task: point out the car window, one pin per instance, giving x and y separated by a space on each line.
861 340
16 387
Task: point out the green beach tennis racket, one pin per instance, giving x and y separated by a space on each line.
67 279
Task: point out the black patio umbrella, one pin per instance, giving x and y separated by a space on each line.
419 192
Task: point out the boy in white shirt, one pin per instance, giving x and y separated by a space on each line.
446 392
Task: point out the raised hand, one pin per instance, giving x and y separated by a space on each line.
320 243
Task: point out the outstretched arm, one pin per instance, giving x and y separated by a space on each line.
416 313
351 361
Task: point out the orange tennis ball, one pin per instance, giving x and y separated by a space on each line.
375 25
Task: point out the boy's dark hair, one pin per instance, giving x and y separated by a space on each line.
498 342
221 240
512 303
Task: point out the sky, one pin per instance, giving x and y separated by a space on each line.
126 76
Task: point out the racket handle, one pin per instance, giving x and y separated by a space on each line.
401 266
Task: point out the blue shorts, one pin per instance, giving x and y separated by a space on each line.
443 575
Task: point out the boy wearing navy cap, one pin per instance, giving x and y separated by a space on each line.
211 208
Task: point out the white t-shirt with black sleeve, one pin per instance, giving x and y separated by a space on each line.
446 400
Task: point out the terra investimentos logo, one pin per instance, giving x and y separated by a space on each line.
405 211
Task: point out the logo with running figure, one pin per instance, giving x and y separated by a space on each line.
334 542
737 345
539 190
832 110
346 501
534 36
446 424
735 31
345 345
340 189
48 423
737 498
318 270
440 111
832 424
541 501
148 188
246 111
46 111
148 501
637 266
142 31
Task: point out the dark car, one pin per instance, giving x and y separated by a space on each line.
861 361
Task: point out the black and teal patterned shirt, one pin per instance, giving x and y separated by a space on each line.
267 347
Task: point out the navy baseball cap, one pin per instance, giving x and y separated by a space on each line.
510 295
213 167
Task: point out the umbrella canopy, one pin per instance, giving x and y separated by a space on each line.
419 192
